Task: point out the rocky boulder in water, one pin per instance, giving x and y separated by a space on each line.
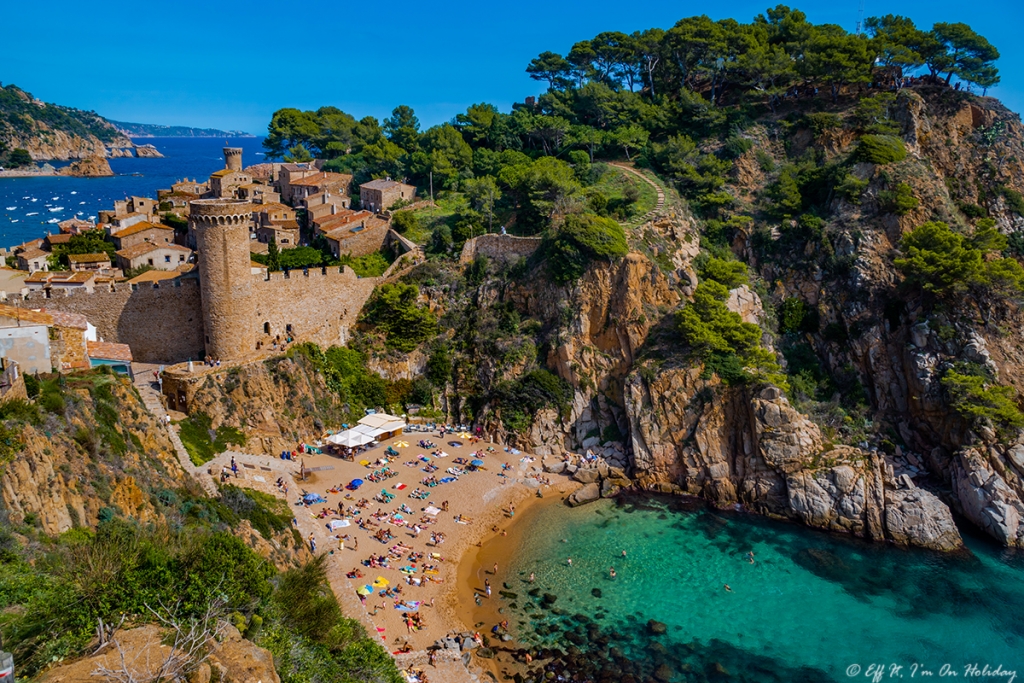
92 167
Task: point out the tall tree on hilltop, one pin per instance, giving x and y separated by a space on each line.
898 43
649 51
550 67
403 128
964 53
837 58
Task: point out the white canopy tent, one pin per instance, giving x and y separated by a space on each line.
380 424
350 438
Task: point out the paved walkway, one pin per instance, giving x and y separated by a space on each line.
150 393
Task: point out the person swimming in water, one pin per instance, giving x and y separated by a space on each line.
750 556
727 588
569 561
611 572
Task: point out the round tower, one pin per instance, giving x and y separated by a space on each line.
225 275
233 158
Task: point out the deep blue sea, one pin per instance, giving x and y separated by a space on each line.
22 219
813 607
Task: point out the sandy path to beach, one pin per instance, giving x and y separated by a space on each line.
482 496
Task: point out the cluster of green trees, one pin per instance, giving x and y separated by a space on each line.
728 346
87 242
55 594
778 51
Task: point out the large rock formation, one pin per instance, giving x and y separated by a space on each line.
93 167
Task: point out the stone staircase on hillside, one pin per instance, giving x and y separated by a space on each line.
153 402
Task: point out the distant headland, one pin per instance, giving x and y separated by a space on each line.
152 130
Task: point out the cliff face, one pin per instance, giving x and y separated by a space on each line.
104 450
54 132
93 167
277 403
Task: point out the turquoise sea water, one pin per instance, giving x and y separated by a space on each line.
813 606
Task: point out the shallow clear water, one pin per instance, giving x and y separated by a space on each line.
183 157
812 606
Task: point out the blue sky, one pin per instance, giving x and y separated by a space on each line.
230 65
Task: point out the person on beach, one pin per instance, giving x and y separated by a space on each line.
312 543
495 570
487 587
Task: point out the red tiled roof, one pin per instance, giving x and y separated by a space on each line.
109 351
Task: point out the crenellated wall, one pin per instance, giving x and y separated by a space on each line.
319 304
161 322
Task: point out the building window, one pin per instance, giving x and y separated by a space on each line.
266 328
167 259
150 261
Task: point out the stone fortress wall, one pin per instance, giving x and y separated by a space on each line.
499 248
161 322
315 304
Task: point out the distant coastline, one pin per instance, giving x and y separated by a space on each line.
152 130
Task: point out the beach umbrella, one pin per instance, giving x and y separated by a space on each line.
356 482
457 444
311 497
401 444
364 463
477 463
466 435
364 590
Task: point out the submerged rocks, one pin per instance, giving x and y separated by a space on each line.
656 627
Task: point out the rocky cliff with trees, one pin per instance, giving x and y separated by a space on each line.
33 130
820 322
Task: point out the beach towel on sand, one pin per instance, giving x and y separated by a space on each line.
409 606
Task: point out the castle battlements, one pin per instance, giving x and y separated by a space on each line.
328 272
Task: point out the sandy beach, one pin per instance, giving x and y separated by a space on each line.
448 573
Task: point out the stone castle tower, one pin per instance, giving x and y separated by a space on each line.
233 158
225 274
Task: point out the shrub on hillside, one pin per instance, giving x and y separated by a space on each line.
880 149
946 264
978 399
582 238
900 200
394 310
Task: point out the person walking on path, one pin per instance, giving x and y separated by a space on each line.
234 467
312 543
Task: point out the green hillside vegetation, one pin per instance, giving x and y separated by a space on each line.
20 115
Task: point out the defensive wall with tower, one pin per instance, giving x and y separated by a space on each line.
224 309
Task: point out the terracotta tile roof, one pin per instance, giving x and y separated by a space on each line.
323 178
254 264
274 206
283 225
221 173
109 351
380 184
28 245
346 231
154 276
60 277
32 253
25 315
59 238
305 166
65 319
88 258
342 218
141 227
144 248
